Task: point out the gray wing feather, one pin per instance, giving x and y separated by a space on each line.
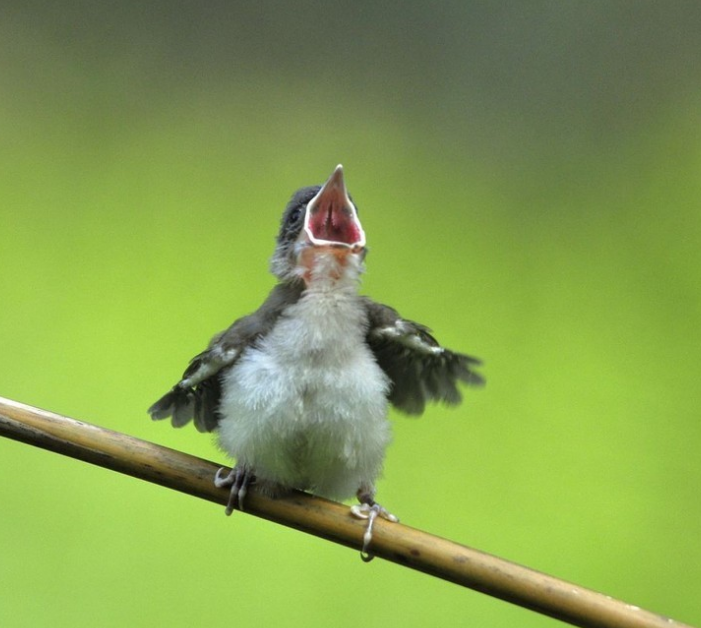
197 395
420 370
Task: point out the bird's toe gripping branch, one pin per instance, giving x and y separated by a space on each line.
238 479
370 511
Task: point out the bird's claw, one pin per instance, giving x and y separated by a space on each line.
370 512
238 479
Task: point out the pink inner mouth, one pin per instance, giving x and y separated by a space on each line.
334 223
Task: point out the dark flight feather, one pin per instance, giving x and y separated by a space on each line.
420 370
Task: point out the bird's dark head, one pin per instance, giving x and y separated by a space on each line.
320 219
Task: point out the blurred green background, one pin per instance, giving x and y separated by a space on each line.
529 177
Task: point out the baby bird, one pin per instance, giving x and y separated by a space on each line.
298 391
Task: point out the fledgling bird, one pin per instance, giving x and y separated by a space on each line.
298 391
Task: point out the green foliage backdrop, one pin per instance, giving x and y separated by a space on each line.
528 177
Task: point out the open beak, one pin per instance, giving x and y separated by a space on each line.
331 218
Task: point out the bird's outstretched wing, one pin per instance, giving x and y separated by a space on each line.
419 369
197 395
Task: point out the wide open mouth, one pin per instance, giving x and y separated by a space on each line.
331 218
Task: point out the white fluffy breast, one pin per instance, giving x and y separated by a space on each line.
307 407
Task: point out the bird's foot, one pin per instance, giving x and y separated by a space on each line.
238 479
370 510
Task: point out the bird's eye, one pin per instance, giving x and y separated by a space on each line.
295 214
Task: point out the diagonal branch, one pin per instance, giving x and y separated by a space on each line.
392 541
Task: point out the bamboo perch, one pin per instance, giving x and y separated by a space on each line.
392 541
